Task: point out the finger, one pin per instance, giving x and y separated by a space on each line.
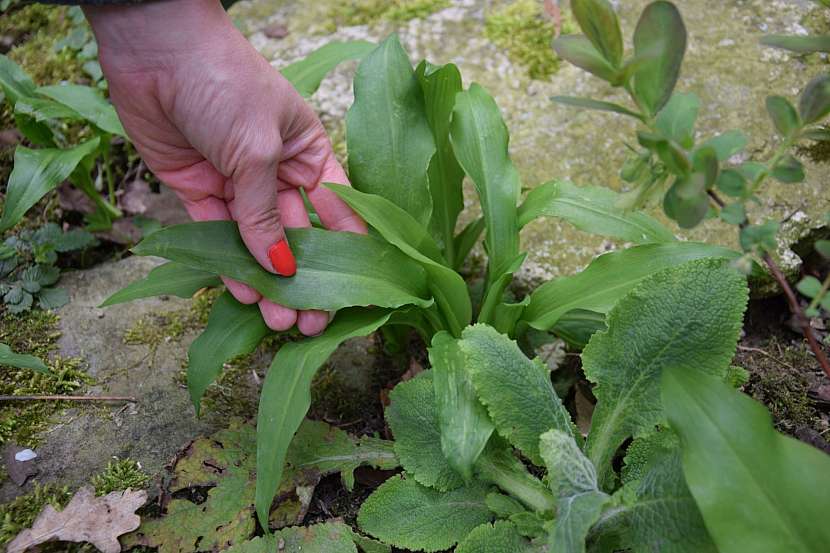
334 213
242 292
312 322
277 317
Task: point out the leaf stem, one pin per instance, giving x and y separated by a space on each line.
517 482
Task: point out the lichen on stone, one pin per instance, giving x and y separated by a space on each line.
120 474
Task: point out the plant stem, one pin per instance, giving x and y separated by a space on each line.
501 468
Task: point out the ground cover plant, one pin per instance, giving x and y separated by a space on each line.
492 460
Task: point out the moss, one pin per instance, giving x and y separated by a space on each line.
526 33
120 475
42 27
332 399
21 512
366 12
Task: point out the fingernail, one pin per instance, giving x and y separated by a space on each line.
282 259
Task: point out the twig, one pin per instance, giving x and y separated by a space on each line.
68 398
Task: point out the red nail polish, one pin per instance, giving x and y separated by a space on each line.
282 259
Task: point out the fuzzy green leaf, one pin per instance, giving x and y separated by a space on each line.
687 316
591 209
756 489
21 360
88 103
660 35
374 272
307 73
405 514
169 279
500 537
517 391
645 450
608 278
599 22
37 172
389 140
286 395
327 537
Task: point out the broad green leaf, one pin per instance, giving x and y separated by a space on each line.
440 85
21 360
52 298
374 272
734 214
573 479
517 391
578 325
169 279
15 83
810 286
88 103
479 138
800 44
413 419
578 50
757 490
788 170
646 450
465 426
727 144
389 140
500 537
732 183
37 172
327 449
687 208
814 103
405 514
590 103
503 505
591 209
599 22
686 317
661 34
400 229
783 115
286 395
307 73
676 121
326 537
44 109
233 329
608 278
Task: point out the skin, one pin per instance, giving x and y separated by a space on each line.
221 127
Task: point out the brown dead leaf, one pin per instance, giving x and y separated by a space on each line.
19 471
97 520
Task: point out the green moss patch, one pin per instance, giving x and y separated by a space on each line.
120 475
154 328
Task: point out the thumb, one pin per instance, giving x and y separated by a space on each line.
254 207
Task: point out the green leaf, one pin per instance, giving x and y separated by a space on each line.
732 183
599 22
16 84
88 103
573 479
800 44
440 85
465 426
499 465
233 329
810 286
286 395
590 103
578 325
400 229
171 279
43 109
645 450
661 34
52 298
405 514
761 236
757 489
608 278
517 391
21 360
500 537
374 272
727 144
823 248
676 121
465 241
327 537
814 103
783 115
479 138
591 209
788 170
37 172
734 214
690 210
503 505
413 419
687 316
307 73
578 50
389 140
819 135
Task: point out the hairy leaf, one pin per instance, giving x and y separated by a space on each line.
233 329
465 426
645 449
169 279
500 537
405 514
307 73
591 209
661 36
286 395
374 272
37 172
608 278
326 537
88 103
21 360
389 140
686 317
517 391
756 489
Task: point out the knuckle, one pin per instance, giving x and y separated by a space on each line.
264 219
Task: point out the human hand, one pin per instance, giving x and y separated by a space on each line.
220 126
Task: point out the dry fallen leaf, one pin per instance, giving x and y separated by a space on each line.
97 520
